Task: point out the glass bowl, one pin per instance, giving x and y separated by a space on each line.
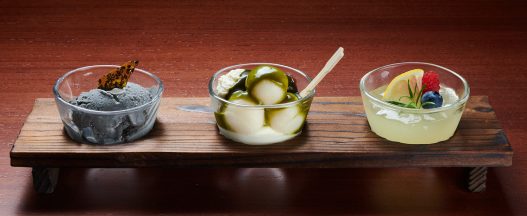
260 124
105 127
413 126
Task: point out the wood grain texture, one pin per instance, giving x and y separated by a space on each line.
184 42
337 135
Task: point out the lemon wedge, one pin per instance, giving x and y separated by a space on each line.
398 87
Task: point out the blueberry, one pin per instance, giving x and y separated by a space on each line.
431 96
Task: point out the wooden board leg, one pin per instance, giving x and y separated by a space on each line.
477 179
45 179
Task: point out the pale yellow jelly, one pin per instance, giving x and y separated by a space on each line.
413 127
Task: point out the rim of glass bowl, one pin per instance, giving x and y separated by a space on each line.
284 105
57 95
410 110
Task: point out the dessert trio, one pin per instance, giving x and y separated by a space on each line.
260 103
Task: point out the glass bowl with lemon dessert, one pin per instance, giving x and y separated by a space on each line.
259 103
414 102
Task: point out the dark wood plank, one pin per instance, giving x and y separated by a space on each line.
337 135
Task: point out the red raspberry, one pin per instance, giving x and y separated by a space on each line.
430 81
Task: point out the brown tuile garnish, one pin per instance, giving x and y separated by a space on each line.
118 77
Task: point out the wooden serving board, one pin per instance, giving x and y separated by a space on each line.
337 135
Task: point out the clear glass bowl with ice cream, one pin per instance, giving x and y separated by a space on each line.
259 103
414 102
97 116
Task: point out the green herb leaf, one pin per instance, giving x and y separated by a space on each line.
410 90
414 97
415 89
397 103
428 103
411 105
411 99
420 95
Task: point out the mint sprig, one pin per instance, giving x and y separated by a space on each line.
414 97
